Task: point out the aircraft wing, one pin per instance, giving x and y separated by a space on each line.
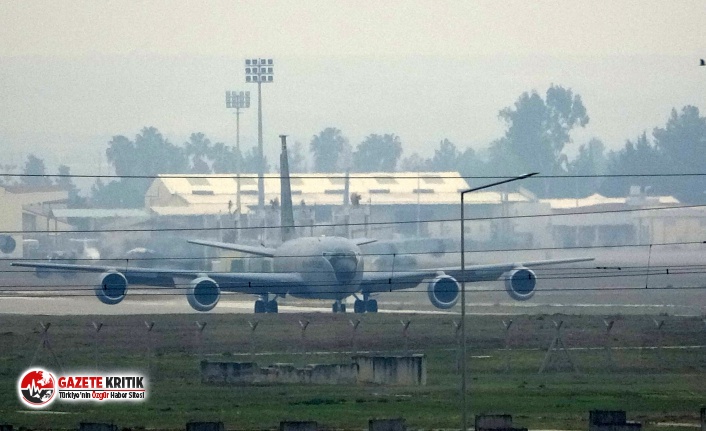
256 283
493 271
257 250
387 282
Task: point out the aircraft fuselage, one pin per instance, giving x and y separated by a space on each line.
331 267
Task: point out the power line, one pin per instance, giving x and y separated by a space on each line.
193 229
365 254
351 176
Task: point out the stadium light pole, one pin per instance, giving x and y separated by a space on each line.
464 419
238 100
259 71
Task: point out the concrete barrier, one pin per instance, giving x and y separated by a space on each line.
245 373
392 370
388 370
298 426
96 426
205 426
387 425
611 420
495 423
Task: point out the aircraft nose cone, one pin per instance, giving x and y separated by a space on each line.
344 265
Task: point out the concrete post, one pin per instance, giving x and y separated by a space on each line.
557 344
607 344
507 326
253 327
303 324
148 341
199 338
97 326
354 326
405 335
659 324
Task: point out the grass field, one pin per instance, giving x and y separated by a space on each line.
648 376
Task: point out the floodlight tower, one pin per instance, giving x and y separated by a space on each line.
238 100
259 71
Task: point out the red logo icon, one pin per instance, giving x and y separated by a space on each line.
37 387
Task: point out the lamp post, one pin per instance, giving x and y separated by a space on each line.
464 422
238 100
259 71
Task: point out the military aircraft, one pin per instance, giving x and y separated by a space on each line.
325 268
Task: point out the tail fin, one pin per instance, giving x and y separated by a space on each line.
287 220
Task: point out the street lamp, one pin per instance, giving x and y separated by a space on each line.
237 100
464 421
259 71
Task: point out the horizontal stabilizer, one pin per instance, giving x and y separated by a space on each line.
256 250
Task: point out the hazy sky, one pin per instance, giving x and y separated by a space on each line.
72 74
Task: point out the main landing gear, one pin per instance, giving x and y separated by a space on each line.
265 305
338 307
365 305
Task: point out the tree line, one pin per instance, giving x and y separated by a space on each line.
537 132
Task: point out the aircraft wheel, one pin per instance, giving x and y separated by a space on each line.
359 306
343 308
272 306
260 306
371 306
334 307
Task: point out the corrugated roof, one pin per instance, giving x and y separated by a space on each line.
99 213
597 199
212 194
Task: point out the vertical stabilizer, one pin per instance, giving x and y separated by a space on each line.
287 220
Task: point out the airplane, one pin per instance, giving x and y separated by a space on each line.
324 267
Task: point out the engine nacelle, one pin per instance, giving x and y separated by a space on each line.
203 294
7 244
112 288
520 283
443 291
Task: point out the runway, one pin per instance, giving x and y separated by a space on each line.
577 289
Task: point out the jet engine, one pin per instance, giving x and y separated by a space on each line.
112 288
7 244
443 291
520 283
203 294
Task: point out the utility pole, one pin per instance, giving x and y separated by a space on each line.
238 100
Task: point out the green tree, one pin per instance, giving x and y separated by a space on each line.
297 158
413 163
591 160
682 144
65 181
149 155
197 150
445 158
250 161
537 131
635 158
378 153
331 151
34 172
226 159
